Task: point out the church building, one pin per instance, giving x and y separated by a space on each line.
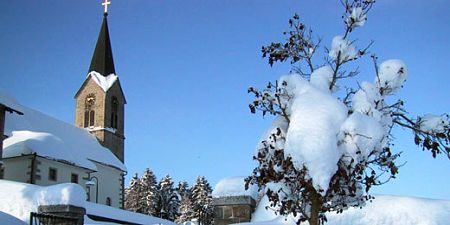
42 150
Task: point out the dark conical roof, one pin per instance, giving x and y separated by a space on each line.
102 60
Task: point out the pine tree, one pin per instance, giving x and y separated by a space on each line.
149 191
186 212
133 196
202 201
168 199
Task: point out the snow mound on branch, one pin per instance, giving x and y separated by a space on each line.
366 99
384 210
344 47
433 124
105 82
19 199
321 78
311 139
234 186
360 135
391 75
357 17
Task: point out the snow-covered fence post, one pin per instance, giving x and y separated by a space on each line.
64 211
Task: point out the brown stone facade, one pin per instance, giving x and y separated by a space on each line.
233 209
104 120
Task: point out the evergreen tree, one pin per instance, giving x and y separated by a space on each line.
183 188
149 191
202 200
133 196
186 212
168 199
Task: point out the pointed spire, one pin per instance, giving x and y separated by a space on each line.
102 60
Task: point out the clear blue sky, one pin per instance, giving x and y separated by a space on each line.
185 67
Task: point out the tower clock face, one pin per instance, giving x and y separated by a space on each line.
90 99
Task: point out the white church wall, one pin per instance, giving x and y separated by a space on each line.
64 173
109 185
16 168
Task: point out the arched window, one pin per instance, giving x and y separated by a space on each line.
108 201
89 112
114 110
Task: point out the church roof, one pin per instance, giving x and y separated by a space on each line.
102 60
38 133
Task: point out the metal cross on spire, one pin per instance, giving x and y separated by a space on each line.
105 4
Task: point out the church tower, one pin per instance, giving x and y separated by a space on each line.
100 101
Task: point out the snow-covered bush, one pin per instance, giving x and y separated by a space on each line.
324 152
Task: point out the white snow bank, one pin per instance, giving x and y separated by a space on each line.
322 77
105 82
342 48
311 138
48 136
384 210
433 124
10 220
391 75
19 199
122 215
234 186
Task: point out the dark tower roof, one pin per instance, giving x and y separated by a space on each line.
102 60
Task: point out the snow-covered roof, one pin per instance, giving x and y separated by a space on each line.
105 82
35 132
384 210
9 102
234 186
19 199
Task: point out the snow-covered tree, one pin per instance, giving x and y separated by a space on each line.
202 200
327 147
149 192
183 188
186 209
168 199
133 196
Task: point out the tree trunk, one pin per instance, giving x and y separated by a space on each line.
315 207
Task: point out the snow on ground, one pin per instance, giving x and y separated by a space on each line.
19 199
234 186
35 132
123 215
384 210
105 82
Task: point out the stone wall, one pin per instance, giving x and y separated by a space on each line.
233 209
